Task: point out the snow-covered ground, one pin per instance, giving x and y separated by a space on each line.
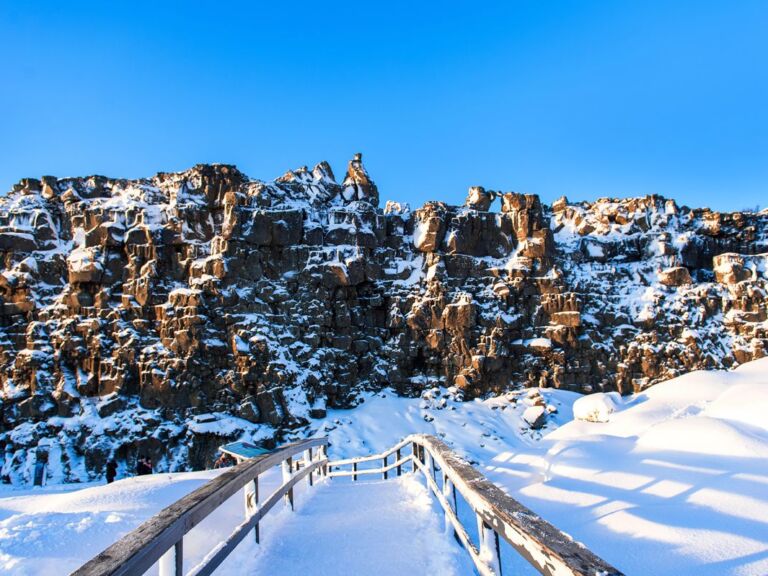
383 527
675 482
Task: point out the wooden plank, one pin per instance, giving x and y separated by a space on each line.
549 550
214 559
287 467
459 529
361 459
400 462
256 530
136 552
384 467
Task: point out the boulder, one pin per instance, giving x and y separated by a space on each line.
479 199
358 185
85 266
596 407
428 227
535 416
675 276
729 268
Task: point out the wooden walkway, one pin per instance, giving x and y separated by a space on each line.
364 523
383 527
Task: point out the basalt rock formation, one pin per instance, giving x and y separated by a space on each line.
167 314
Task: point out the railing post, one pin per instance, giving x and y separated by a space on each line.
489 546
321 454
287 467
385 467
354 470
415 453
397 455
307 463
256 529
172 562
426 459
450 496
251 497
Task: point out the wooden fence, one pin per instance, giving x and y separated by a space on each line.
162 536
499 517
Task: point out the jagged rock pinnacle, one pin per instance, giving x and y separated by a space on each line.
358 185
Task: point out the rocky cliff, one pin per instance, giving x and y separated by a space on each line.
167 314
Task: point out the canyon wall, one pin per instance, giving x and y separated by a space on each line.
169 314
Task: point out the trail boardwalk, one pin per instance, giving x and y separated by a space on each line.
387 528
357 527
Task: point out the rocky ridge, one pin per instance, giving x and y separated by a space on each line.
165 315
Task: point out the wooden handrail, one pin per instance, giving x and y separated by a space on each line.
163 534
499 516
402 444
549 550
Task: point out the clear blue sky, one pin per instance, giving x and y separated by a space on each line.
583 98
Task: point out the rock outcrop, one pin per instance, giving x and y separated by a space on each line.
166 315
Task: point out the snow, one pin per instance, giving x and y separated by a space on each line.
420 231
532 414
673 481
676 482
596 407
56 529
334 534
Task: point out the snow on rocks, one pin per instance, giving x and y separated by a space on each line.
535 416
597 407
207 291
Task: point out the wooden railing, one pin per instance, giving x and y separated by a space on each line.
161 538
498 515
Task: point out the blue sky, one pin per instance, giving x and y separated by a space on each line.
583 98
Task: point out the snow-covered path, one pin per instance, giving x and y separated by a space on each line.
373 527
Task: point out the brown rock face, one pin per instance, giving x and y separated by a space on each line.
729 268
358 185
169 314
479 199
675 276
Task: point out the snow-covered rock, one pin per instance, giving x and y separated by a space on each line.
535 416
269 302
596 407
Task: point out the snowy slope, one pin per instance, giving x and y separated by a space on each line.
676 482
